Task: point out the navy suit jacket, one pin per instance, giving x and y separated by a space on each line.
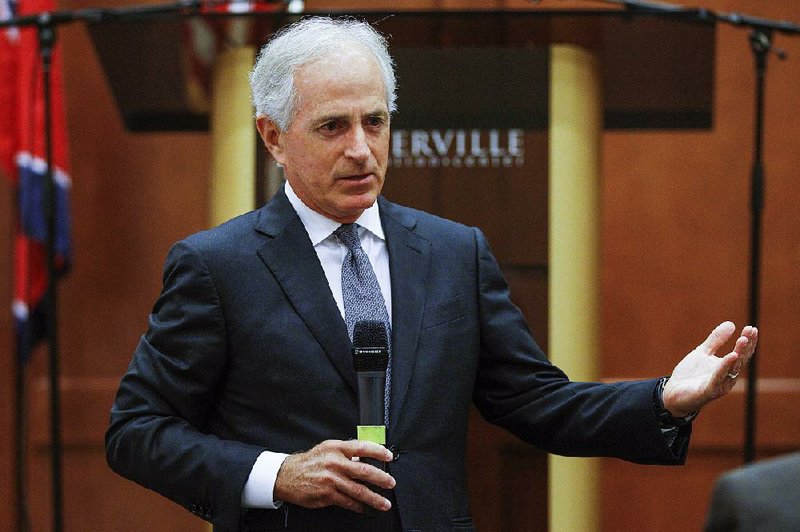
246 350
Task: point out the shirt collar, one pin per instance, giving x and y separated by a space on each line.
320 227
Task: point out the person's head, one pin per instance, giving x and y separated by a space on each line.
324 90
272 78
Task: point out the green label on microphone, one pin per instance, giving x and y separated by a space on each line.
373 433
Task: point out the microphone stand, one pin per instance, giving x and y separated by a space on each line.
760 43
761 30
46 24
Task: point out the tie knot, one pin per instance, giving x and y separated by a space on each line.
348 234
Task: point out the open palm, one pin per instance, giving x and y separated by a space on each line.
702 376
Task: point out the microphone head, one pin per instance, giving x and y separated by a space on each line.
370 334
370 346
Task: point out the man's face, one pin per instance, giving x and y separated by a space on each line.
335 150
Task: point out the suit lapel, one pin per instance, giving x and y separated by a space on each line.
290 257
409 256
293 262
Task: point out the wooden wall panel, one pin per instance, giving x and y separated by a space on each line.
676 221
7 459
95 498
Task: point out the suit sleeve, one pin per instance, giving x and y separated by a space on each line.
158 435
517 388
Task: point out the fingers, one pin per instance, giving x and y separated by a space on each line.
735 361
744 349
727 373
751 333
327 475
365 449
718 336
359 492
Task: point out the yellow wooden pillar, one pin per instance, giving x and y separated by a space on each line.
574 218
233 136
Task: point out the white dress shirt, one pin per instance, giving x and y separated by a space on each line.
258 490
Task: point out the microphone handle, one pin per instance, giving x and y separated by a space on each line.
371 408
371 389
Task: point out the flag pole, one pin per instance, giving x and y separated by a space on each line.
20 430
47 38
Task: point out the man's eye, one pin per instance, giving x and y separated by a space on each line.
375 121
330 127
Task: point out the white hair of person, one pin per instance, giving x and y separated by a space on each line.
272 78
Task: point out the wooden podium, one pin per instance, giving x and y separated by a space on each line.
499 126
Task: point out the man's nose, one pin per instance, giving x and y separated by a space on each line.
357 148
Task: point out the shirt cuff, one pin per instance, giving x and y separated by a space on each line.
670 426
260 485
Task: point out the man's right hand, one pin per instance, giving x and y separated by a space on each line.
327 475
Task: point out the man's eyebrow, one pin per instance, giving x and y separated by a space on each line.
334 117
324 119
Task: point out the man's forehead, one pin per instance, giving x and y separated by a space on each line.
334 82
337 61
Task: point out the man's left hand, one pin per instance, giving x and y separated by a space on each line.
702 376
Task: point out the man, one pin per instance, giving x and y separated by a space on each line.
763 496
240 402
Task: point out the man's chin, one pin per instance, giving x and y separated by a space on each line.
354 208
363 203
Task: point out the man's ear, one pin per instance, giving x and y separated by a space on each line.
272 137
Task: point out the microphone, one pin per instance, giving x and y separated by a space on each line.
370 359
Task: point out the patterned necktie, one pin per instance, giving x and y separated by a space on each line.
362 295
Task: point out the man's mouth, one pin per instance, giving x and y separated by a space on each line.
358 177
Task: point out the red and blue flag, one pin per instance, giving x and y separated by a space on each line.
23 161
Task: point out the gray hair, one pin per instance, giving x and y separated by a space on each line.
272 78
